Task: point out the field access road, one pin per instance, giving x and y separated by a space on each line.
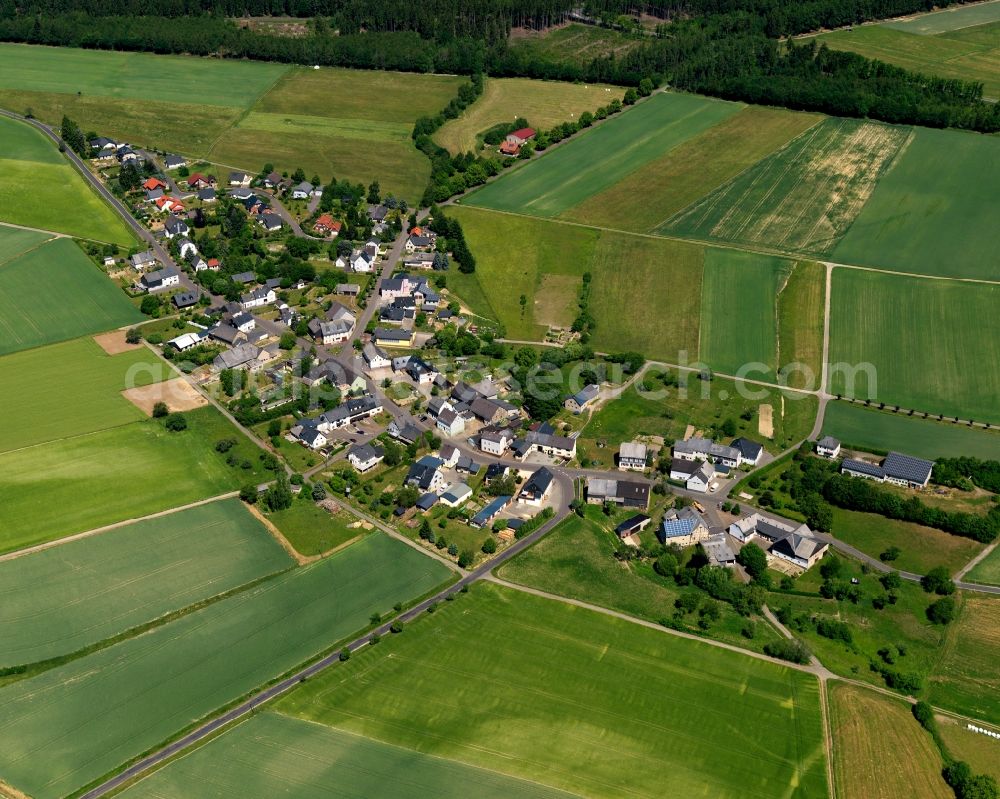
250 705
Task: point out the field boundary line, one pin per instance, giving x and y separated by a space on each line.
976 560
881 22
18 553
245 112
724 245
61 439
816 671
828 741
55 234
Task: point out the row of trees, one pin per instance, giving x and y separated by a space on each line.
726 48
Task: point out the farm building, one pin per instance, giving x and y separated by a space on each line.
490 512
897 468
620 492
633 525
632 456
583 398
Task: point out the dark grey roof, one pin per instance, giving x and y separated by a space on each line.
797 545
683 466
829 442
392 335
538 483
750 450
244 278
427 501
906 467
862 467
185 299
365 452
630 525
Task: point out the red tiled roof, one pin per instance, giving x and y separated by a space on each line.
509 148
154 183
524 133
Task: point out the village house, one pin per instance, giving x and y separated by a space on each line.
175 226
186 341
896 468
241 179
270 222
793 543
227 334
184 299
450 455
160 280
349 412
426 474
546 443
186 247
258 298
718 551
537 488
336 328
683 528
701 478
375 357
418 242
450 423
243 321
621 492
207 195
392 337
242 356
154 183
408 433
326 225
302 191
703 449
750 451
310 435
632 456
496 441
681 470
174 162
142 260
583 398
456 495
365 457
348 289
361 262
200 181
828 447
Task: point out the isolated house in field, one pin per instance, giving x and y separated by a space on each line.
897 468
511 145
682 528
365 457
828 447
537 488
582 399
632 456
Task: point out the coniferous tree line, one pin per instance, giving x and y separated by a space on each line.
725 48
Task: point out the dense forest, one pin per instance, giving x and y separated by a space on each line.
726 48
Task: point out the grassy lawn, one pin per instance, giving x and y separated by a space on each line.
40 189
936 366
631 415
594 161
313 530
879 750
100 586
183 127
947 55
948 20
543 103
966 679
901 625
802 198
932 211
976 749
925 438
576 560
274 754
922 548
75 484
70 389
16 241
169 678
540 689
573 43
644 199
545 261
138 76
987 570
739 325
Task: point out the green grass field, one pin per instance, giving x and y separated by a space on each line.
576 560
924 438
313 530
545 261
954 19
54 292
879 749
946 55
363 136
573 43
138 76
62 599
932 212
39 188
87 481
69 726
543 103
14 242
599 158
580 701
800 325
276 755
940 365
966 679
739 312
802 198
704 405
987 570
644 199
922 548
70 389
976 749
